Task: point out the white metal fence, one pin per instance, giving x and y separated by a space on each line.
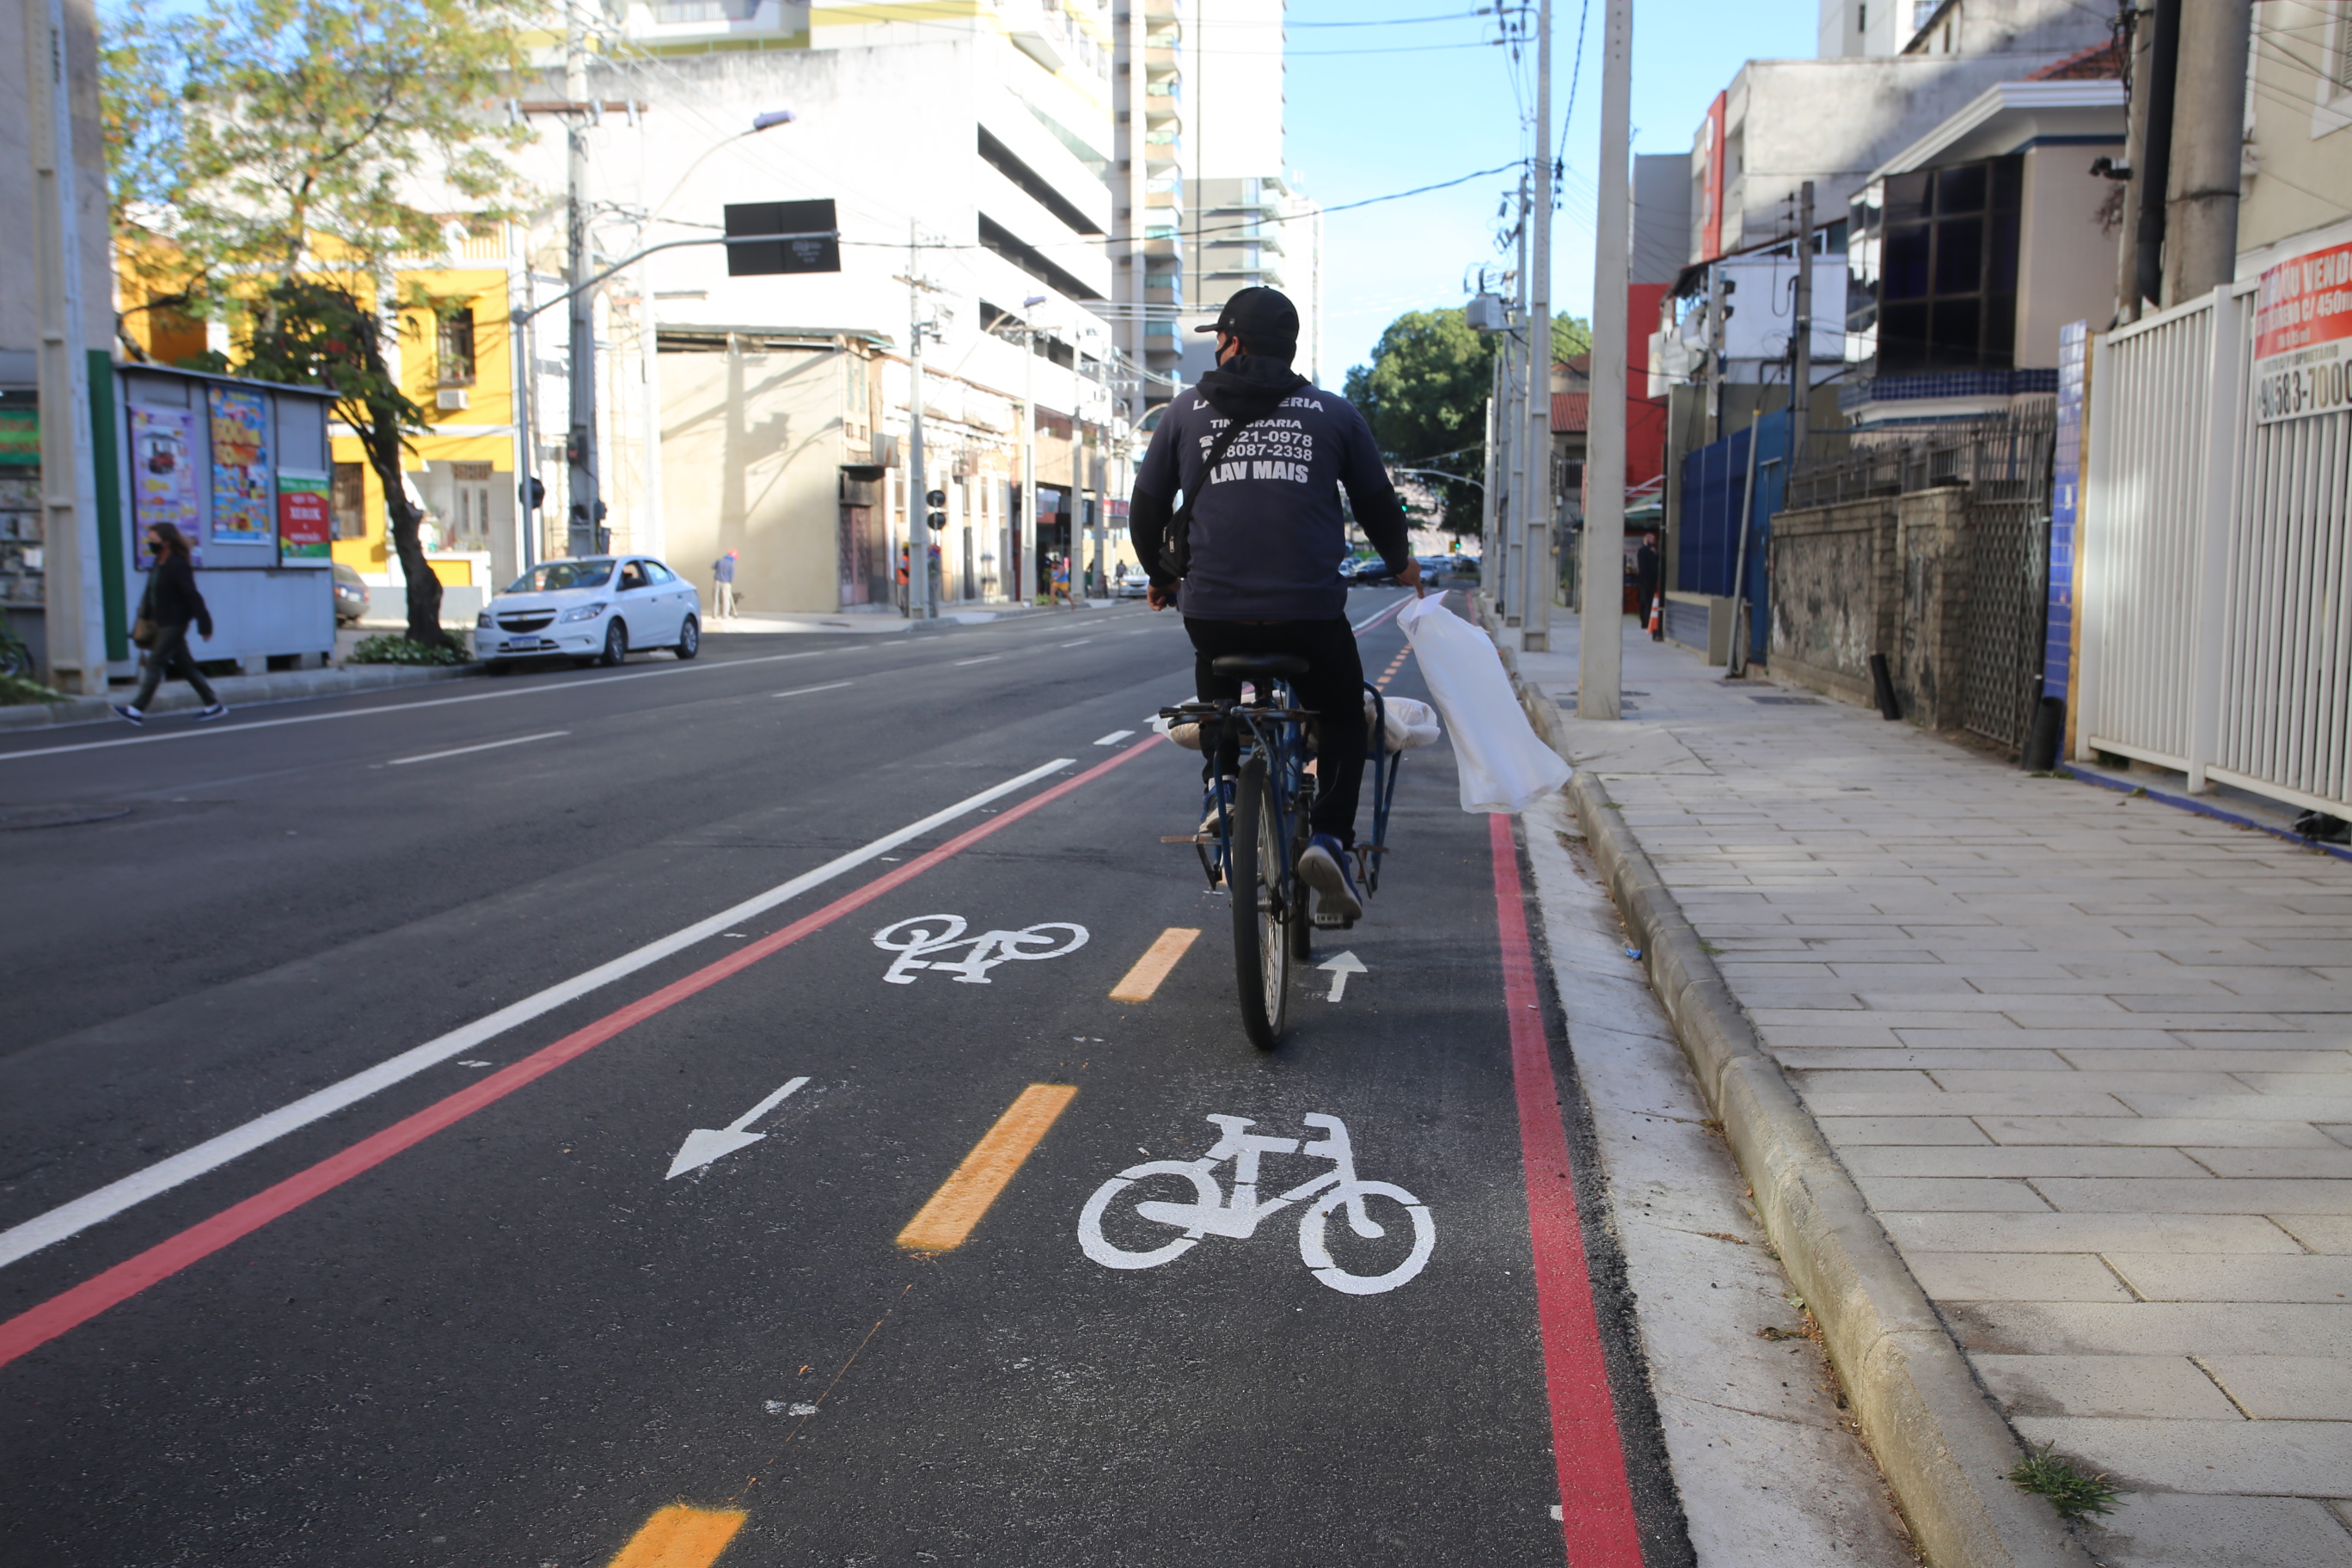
2216 603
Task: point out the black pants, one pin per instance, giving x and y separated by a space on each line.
1333 686
170 656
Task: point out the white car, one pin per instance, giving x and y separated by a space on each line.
593 610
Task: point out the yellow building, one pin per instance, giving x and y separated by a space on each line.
454 356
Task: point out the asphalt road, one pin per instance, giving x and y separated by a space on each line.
465 1313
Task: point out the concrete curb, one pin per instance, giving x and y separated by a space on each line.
1944 1448
237 691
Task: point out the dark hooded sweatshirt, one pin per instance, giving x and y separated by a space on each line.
1267 536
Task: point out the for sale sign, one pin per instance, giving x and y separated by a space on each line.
2303 336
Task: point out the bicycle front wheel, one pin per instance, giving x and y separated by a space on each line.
1254 882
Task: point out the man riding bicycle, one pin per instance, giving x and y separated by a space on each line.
1260 455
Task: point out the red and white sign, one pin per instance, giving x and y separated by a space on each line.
2303 336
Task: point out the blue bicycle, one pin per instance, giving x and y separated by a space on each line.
1253 850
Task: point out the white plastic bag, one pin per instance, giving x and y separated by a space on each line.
1410 724
1504 765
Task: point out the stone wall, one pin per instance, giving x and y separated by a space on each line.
1888 575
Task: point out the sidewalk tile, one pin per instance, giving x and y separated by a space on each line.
2299 1162
2260 1458
1924 1058
2285 1387
2016 1277
1972 1081
2322 1233
2022 1162
2206 1059
1847 1131
2209 1277
2162 1388
2153 1328
1907 1195
2059 1098
2069 1041
2125 1194
2181 1530
2090 1233
2248 1106
2180 1131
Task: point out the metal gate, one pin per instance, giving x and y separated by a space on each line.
2007 466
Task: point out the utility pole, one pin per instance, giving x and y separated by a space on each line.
1599 651
1028 547
2153 173
580 448
1716 290
1800 343
2141 42
918 504
2200 249
1507 588
1538 571
73 591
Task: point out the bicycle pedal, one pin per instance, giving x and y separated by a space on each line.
1331 922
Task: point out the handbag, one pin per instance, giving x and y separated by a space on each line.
1176 559
142 628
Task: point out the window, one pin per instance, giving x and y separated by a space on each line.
454 349
347 503
1932 260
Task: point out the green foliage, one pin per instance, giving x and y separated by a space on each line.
1571 336
400 650
1424 395
15 692
284 154
2073 1494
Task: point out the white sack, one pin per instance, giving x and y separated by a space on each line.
1505 765
1410 724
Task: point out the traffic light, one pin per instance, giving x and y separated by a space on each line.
534 493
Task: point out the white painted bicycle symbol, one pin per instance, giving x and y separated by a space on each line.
1214 1214
911 939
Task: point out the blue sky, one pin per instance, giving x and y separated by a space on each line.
1442 104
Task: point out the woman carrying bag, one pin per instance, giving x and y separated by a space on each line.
170 603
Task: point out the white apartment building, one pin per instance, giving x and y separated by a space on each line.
965 147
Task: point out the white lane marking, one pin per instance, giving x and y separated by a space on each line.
485 746
1341 967
704 1145
1114 738
1369 622
805 690
983 658
988 950
215 730
1080 642
1239 1217
71 1219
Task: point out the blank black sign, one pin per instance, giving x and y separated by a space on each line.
785 254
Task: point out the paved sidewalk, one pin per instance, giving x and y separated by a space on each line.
2087 1057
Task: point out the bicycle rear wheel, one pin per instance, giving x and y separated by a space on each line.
1261 945
1301 922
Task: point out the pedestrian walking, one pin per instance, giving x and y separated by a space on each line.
170 603
1646 577
723 574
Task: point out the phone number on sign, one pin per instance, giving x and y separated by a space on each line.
2303 390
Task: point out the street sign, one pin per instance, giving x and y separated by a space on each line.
784 256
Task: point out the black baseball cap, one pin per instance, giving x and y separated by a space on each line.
1264 318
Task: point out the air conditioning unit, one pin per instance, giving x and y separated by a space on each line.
453 397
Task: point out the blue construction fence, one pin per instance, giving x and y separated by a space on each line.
1707 529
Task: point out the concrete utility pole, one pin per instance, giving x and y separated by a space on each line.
1028 547
2153 173
73 592
1600 655
1800 342
2201 243
1507 587
2143 53
919 505
1538 573
580 261
1716 290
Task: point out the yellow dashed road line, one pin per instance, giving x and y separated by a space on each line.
681 1537
945 1221
1139 983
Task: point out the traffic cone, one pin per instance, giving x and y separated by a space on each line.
1657 603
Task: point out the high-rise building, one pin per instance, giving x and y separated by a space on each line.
1147 183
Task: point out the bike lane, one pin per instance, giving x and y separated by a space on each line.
519 1339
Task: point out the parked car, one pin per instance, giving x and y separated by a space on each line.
593 610
350 595
1369 572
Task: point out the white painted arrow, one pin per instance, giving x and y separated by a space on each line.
704 1145
1341 967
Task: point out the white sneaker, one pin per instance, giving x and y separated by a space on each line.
217 711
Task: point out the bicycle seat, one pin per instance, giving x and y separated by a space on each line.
1260 667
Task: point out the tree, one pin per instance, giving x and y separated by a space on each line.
309 143
1424 395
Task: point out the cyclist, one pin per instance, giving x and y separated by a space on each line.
1256 566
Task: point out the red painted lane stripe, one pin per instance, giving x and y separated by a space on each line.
1596 1506
62 1313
